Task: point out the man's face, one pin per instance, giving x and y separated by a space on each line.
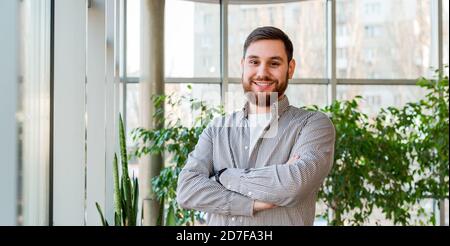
266 70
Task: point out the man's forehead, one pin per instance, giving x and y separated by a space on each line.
266 49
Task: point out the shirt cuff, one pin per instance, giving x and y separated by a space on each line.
231 179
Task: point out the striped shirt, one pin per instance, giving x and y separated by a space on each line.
262 172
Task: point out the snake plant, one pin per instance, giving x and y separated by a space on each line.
126 190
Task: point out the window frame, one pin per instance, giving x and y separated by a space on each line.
330 78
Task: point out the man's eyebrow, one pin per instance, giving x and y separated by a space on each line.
276 58
271 58
252 57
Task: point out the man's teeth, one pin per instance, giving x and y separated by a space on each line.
264 83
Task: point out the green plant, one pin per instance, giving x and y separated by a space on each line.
430 139
345 188
177 140
126 190
371 168
391 162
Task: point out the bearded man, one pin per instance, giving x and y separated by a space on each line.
264 164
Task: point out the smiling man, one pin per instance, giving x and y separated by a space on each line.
264 164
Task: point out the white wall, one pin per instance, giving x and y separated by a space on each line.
8 102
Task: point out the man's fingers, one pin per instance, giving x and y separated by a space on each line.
259 206
293 159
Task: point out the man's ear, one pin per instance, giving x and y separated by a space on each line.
242 64
291 68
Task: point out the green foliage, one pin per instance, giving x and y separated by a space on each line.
177 140
126 190
390 162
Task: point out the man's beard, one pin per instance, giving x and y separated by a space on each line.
265 99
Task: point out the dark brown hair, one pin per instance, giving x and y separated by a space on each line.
270 33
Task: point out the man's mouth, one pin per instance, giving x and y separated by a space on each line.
263 85
263 82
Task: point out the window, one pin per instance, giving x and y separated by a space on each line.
192 39
303 22
372 8
372 31
376 40
307 94
403 26
341 31
133 62
209 93
376 97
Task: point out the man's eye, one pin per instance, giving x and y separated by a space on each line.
253 62
275 64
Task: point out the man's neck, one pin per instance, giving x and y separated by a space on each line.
256 109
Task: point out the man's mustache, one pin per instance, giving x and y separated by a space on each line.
265 78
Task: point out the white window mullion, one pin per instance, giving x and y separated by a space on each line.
69 112
331 50
224 50
95 111
112 103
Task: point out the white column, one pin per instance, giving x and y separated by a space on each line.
96 87
8 97
69 113
151 83
35 111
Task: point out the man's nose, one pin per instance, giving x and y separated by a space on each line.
262 71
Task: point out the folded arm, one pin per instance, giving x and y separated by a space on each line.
286 184
196 191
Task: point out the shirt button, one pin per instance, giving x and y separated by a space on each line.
246 147
250 193
233 218
229 187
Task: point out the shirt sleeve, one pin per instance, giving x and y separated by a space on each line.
287 184
196 191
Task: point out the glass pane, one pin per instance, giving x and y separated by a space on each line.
383 39
303 22
192 39
133 38
132 110
34 113
376 97
445 33
234 97
299 95
378 218
210 93
132 122
307 95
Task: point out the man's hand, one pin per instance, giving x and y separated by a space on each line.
293 159
260 206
